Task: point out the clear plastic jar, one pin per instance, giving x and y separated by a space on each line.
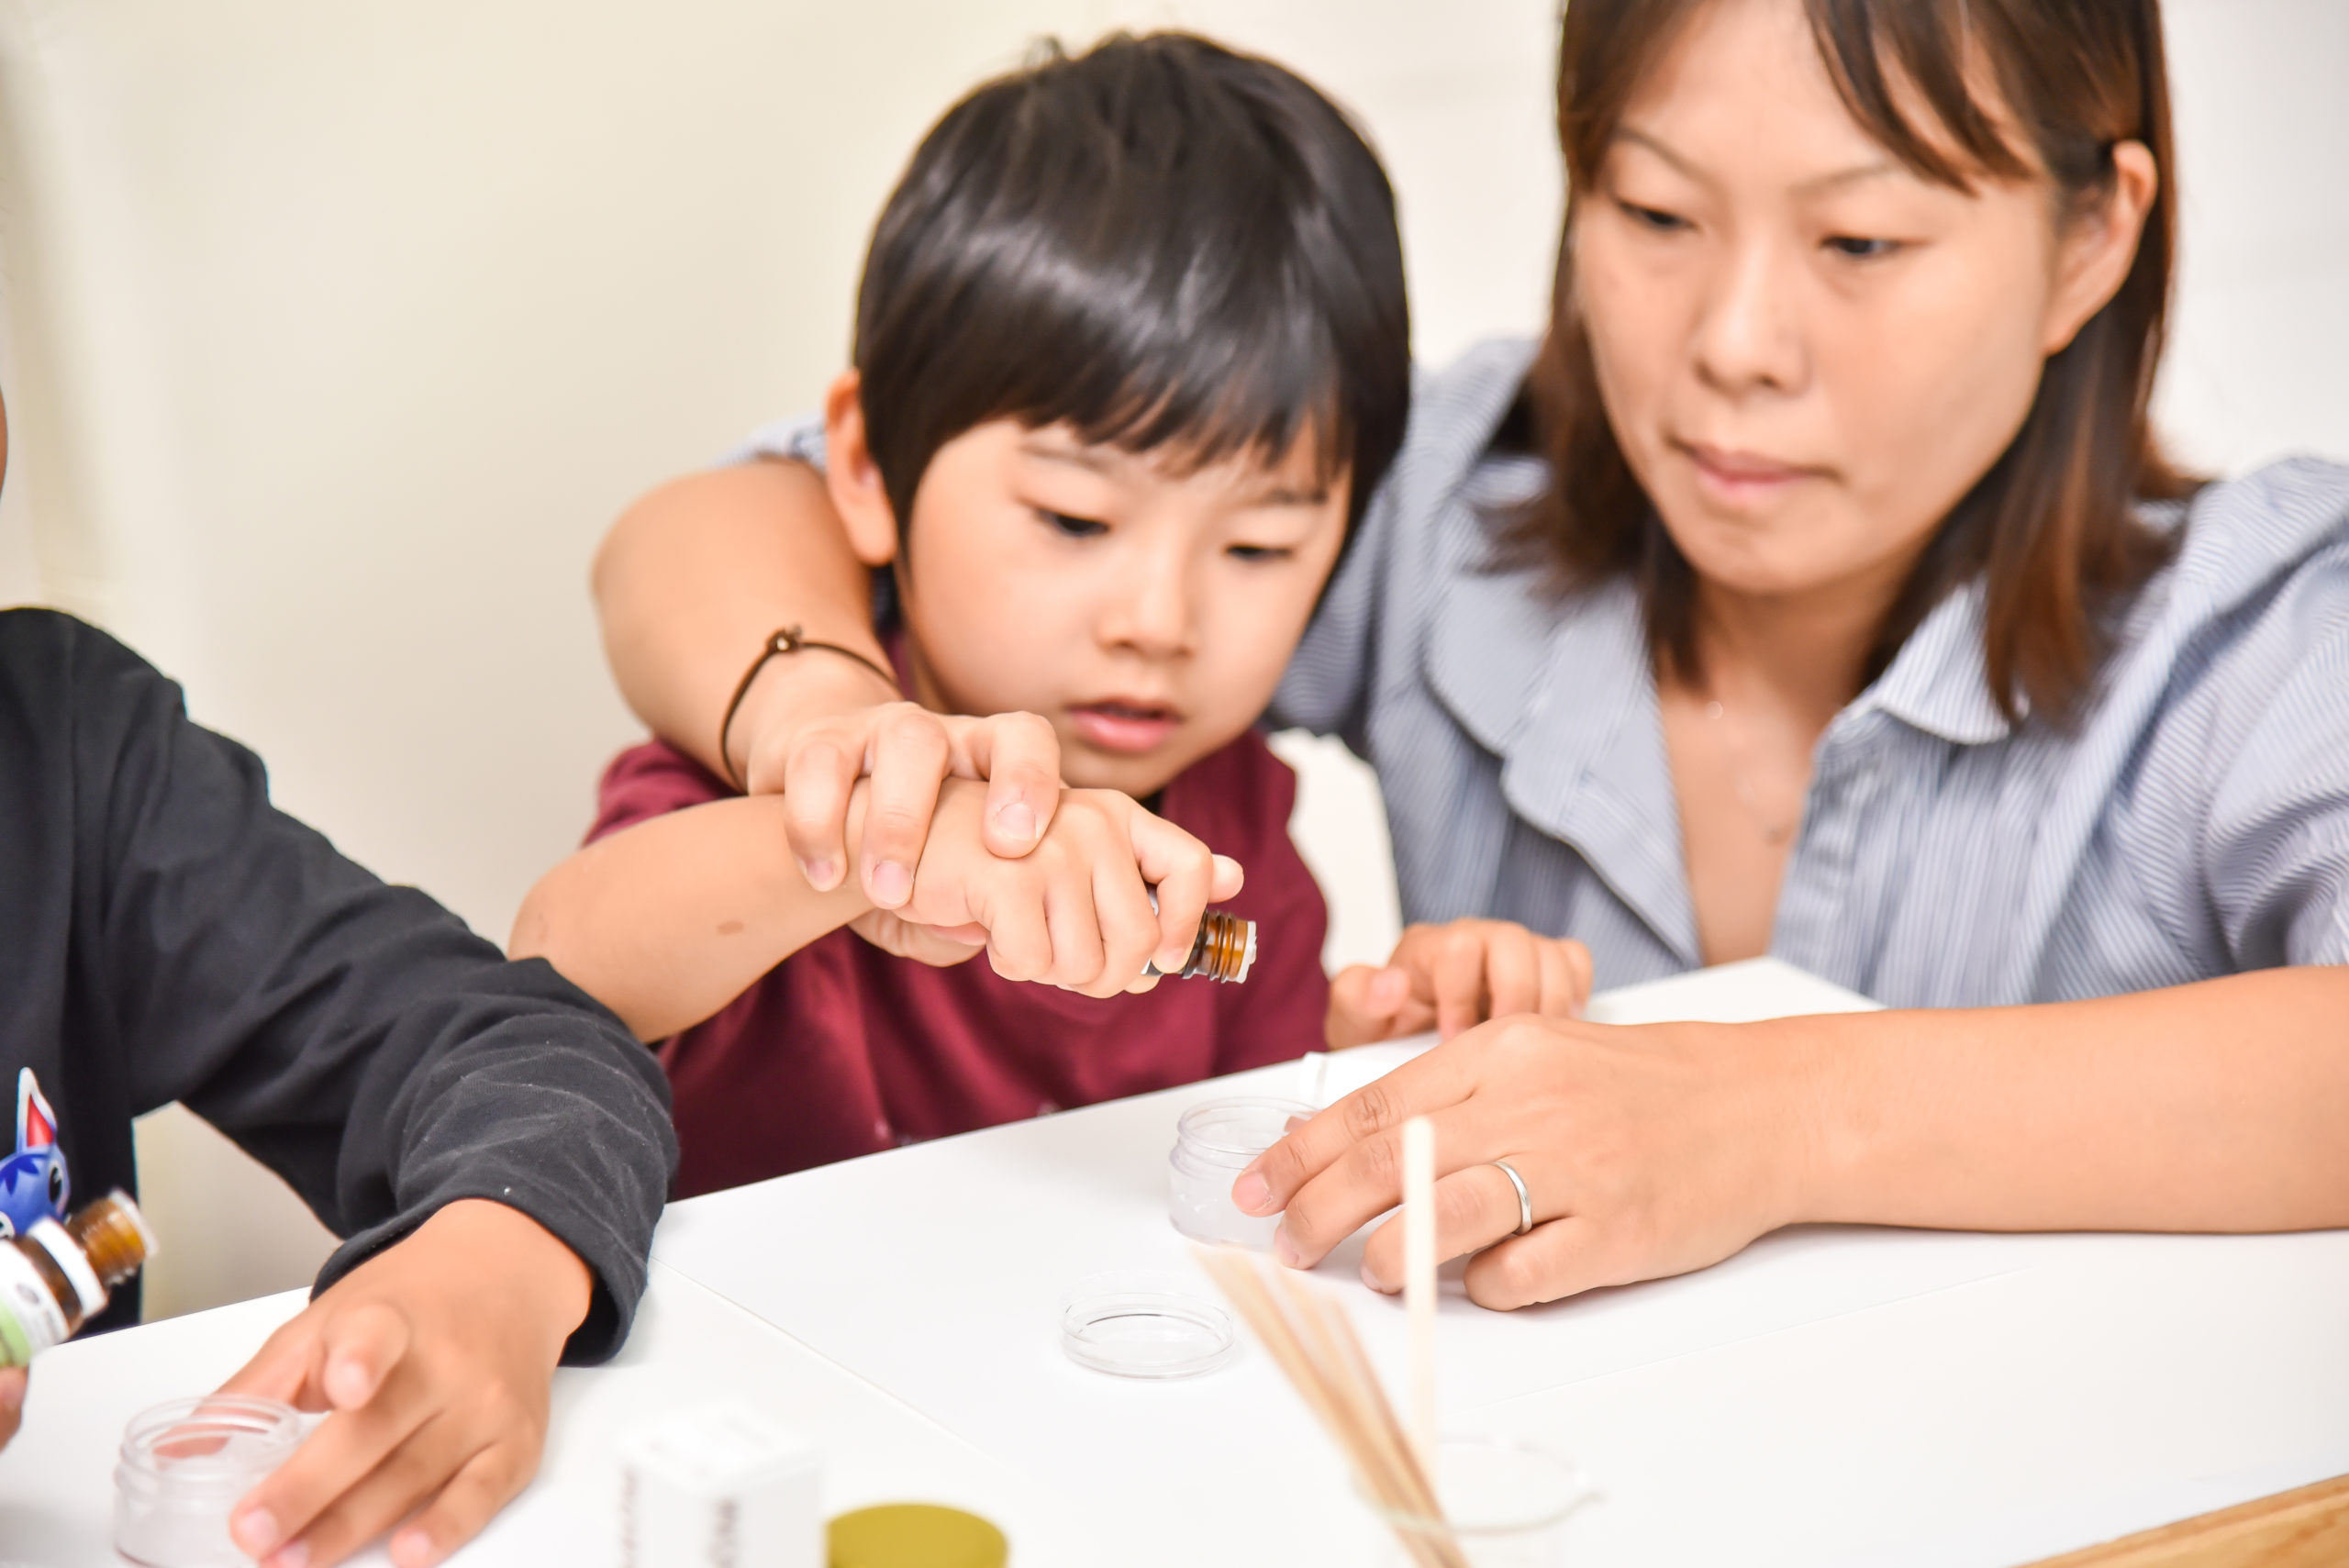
182 1467
1213 1143
1504 1505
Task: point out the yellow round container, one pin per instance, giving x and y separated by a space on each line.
916 1535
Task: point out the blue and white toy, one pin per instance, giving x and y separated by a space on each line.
33 1182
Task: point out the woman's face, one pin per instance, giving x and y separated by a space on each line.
1808 352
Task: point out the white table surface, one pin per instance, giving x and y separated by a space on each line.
690 1348
1831 1396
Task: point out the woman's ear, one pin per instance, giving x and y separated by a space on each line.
2097 246
853 478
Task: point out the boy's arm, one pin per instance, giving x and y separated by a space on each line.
672 917
691 581
490 1141
668 920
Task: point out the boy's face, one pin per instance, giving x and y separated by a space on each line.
1146 613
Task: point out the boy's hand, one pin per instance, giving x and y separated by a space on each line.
1449 977
435 1358
940 948
12 1402
1075 912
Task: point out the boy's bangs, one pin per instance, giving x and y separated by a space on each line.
1239 378
1162 246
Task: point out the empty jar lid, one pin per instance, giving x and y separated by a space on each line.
1144 1325
915 1535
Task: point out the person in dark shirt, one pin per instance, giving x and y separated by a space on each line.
491 1143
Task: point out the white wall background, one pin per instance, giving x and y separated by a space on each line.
334 335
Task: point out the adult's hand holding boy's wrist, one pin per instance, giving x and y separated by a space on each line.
811 726
435 1358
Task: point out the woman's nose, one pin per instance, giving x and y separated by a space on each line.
1749 337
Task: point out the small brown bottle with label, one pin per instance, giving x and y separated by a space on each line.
1223 950
59 1274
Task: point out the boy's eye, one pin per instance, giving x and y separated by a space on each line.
1654 218
1071 527
1859 249
1260 552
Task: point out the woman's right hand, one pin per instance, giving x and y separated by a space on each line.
814 758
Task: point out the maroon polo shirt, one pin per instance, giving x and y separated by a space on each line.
844 1050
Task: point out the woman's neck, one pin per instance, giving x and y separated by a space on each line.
1804 656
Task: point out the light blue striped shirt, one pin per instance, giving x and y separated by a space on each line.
2194 823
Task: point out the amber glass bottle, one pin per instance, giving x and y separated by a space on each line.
58 1275
1224 949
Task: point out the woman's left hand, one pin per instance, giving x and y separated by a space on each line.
1646 1151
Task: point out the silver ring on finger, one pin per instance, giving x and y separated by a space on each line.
1524 1199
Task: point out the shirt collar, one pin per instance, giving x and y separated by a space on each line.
1564 694
1938 682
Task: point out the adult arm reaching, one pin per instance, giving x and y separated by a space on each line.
1653 1150
691 581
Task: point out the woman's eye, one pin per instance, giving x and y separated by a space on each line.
1260 552
1071 527
1860 249
1654 218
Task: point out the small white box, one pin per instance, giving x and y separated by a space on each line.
720 1488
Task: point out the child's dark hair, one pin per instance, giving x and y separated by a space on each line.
1160 243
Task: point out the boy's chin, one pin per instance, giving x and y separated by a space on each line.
1140 776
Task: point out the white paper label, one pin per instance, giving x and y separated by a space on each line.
30 1319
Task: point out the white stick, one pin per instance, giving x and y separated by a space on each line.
1419 1279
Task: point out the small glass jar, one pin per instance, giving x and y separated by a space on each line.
1505 1505
183 1466
1213 1143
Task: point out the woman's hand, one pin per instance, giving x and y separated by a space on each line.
1646 1151
1077 911
814 761
434 1356
1449 977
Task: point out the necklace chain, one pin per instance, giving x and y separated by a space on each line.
1773 832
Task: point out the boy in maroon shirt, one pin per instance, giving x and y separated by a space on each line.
1131 350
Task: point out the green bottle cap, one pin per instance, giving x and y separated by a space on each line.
916 1535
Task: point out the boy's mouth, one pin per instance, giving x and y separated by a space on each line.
1120 724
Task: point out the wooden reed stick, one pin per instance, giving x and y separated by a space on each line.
1309 1338
1419 1278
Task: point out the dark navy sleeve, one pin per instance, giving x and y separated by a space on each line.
354 1037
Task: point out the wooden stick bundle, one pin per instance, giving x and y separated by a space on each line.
1310 1337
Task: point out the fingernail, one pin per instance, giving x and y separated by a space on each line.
348 1386
1286 1250
890 884
820 875
12 1391
1372 1280
1018 822
411 1548
1252 1193
293 1554
1293 1123
256 1531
